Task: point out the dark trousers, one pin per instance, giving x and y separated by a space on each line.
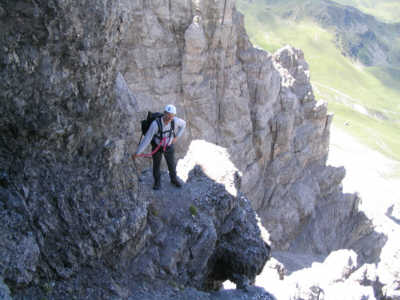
169 155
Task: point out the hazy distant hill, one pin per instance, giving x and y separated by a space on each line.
385 10
359 36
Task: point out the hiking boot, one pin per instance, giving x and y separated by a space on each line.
176 183
157 186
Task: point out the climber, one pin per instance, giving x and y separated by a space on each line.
164 139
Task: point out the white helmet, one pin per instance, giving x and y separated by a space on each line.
170 109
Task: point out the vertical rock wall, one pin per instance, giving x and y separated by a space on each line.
67 198
259 106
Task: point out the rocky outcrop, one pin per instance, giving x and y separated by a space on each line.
259 106
77 78
202 235
57 70
192 238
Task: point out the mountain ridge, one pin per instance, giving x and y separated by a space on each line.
359 35
387 11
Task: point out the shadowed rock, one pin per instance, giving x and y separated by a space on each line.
193 238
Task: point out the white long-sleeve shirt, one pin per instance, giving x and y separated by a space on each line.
153 130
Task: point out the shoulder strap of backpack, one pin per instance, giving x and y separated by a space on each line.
158 120
173 127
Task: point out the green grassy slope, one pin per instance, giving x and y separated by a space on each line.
368 98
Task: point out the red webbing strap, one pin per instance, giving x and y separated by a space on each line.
163 143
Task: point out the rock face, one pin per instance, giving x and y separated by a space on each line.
65 201
77 76
258 106
201 235
4 291
193 239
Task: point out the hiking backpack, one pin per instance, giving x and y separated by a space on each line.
151 116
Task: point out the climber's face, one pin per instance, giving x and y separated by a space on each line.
168 117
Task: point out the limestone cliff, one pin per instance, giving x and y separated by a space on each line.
258 106
77 76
